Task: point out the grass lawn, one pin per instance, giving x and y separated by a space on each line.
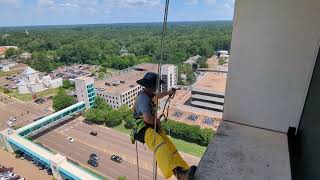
122 129
94 173
183 146
28 97
189 148
9 73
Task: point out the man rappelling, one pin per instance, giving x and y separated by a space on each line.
167 156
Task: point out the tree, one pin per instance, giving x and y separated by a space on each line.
203 62
62 100
66 84
222 61
101 75
126 116
11 52
100 103
113 118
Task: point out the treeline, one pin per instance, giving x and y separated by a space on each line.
54 46
104 115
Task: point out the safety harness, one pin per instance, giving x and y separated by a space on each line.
139 123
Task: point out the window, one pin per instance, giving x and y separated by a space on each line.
208 120
177 114
193 117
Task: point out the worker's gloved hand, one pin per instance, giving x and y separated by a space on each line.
173 91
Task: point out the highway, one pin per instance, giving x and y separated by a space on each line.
107 142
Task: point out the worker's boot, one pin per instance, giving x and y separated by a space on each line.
180 173
192 170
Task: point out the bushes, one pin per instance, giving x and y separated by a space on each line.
66 84
6 90
222 61
129 123
189 133
102 113
113 118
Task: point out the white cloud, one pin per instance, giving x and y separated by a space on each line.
210 2
191 2
45 3
141 2
229 4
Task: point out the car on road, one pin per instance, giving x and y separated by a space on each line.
70 139
94 157
94 133
93 163
116 158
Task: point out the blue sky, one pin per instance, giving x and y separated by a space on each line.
52 12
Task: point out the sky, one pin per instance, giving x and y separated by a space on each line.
61 12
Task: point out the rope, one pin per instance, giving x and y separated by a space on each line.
164 28
137 160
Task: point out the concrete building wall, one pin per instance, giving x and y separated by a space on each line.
81 84
307 152
56 83
23 89
273 53
36 87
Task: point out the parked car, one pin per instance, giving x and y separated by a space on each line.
70 139
19 154
10 123
93 163
12 119
94 157
116 158
94 133
49 171
41 167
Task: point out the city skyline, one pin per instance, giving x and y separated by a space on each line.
68 12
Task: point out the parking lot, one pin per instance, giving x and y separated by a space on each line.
105 144
23 112
21 167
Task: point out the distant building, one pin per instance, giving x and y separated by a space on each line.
122 89
85 90
7 64
208 92
192 60
4 67
31 82
223 54
25 56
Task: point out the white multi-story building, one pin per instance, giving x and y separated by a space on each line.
85 90
122 89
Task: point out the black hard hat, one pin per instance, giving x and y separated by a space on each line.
149 80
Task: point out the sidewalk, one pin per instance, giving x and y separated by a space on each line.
22 167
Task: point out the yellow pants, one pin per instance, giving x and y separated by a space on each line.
167 155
